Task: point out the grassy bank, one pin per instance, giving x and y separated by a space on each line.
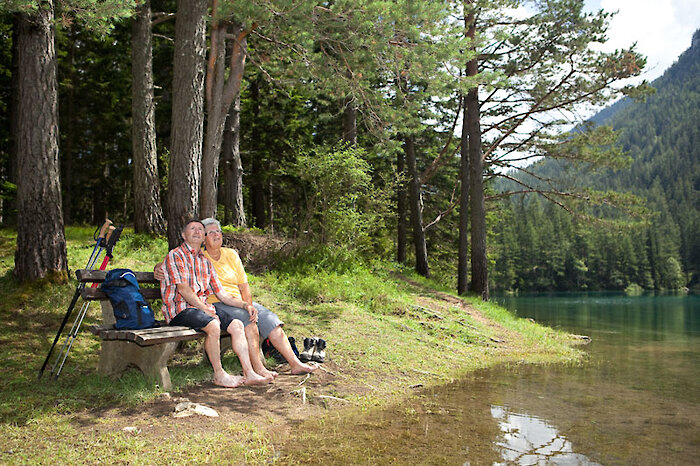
387 329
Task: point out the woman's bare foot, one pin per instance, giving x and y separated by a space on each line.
265 373
301 368
256 379
229 381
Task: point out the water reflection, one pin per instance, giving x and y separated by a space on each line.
529 440
636 401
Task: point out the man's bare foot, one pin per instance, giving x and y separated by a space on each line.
256 379
302 368
228 380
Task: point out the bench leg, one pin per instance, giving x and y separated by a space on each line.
115 356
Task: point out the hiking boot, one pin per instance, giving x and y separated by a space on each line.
319 354
309 343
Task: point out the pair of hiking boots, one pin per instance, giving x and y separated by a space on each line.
314 350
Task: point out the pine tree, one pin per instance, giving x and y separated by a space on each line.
187 117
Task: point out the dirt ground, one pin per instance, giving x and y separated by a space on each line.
277 407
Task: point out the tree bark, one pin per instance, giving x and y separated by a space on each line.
416 208
463 254
187 117
148 215
41 243
257 172
221 92
234 212
476 192
401 208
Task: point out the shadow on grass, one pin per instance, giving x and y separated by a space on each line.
319 317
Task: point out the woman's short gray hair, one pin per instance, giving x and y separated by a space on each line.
211 221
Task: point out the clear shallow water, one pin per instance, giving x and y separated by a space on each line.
637 400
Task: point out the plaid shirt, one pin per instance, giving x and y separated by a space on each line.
184 265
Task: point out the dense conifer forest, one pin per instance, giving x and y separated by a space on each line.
373 131
540 247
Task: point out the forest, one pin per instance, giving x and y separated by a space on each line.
543 248
400 131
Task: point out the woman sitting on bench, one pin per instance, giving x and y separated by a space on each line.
231 273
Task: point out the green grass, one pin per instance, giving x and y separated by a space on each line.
380 333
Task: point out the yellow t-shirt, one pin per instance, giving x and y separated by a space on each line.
230 271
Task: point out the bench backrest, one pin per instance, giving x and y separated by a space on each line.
95 294
98 276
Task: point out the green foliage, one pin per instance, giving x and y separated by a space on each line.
7 190
342 208
98 15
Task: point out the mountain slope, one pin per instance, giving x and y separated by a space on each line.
662 137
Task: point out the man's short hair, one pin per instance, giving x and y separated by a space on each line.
188 221
211 221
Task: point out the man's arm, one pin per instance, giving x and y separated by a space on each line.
193 300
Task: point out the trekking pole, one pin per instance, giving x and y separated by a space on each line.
111 239
96 251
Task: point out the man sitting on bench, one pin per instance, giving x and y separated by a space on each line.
188 279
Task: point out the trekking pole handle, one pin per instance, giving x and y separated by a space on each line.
105 229
114 235
110 230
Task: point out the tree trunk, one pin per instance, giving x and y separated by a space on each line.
257 175
416 208
233 168
187 116
221 92
350 122
401 207
41 243
257 192
462 263
148 215
476 192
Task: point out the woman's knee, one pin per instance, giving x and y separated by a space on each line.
276 333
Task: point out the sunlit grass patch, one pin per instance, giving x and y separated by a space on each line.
63 443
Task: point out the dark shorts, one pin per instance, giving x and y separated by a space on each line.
267 320
197 319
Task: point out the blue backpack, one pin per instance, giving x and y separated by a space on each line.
131 310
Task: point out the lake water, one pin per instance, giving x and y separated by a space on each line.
636 401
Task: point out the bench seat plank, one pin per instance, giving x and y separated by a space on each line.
148 336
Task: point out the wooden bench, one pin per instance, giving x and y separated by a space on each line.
148 349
